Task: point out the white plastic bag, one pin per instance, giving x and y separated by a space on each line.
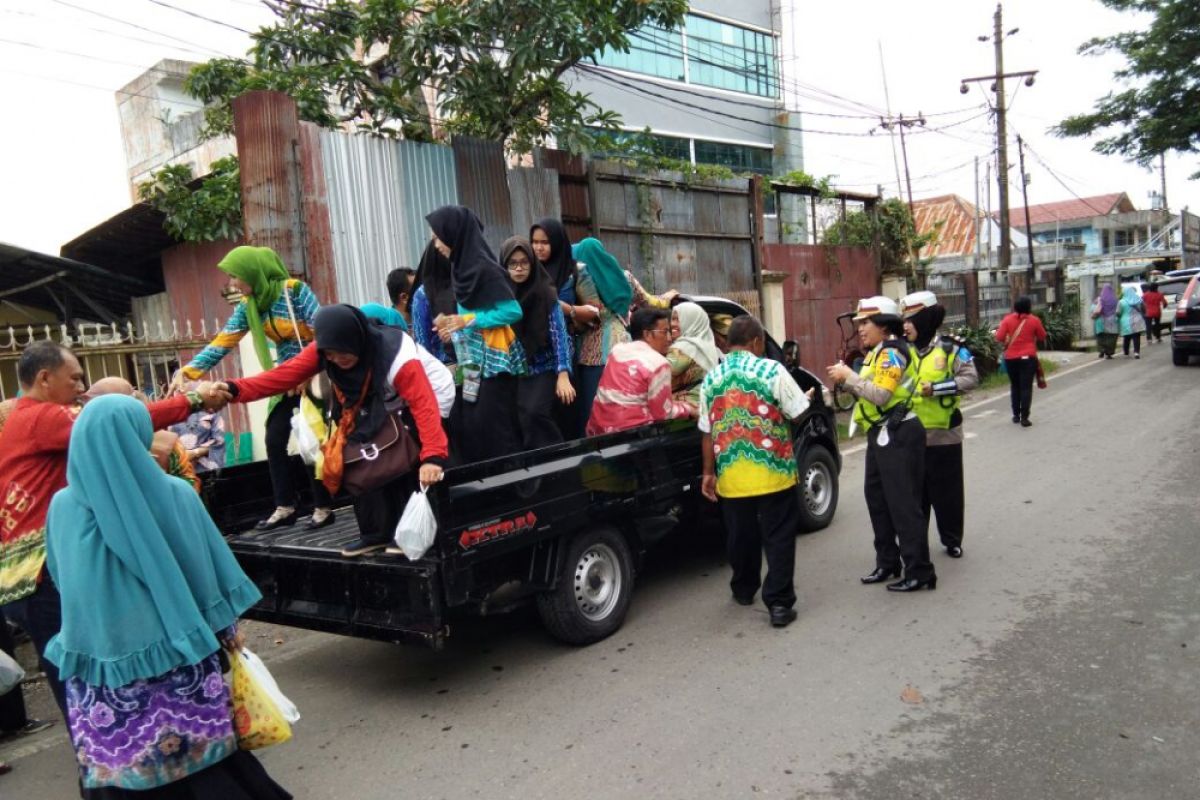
417 527
11 673
308 447
260 672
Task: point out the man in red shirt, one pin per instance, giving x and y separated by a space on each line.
33 466
1153 300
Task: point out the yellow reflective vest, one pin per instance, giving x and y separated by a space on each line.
934 367
866 413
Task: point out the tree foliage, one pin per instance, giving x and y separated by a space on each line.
898 237
1159 111
204 213
495 67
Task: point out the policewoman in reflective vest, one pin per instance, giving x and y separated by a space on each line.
895 464
945 370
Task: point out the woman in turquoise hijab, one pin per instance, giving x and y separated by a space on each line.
388 316
150 593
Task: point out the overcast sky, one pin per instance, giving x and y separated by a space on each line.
64 167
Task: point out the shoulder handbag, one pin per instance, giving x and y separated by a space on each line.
389 454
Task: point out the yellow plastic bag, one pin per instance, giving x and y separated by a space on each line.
257 719
316 422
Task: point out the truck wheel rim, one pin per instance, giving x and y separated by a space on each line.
597 582
818 489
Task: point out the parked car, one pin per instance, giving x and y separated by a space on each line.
1185 335
1170 289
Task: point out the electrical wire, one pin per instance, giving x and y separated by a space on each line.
127 22
208 53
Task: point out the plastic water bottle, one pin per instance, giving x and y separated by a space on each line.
471 372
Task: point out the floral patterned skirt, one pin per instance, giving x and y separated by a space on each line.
151 732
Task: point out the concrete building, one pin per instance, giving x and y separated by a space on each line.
161 124
711 92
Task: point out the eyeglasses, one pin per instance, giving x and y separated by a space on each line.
516 266
660 330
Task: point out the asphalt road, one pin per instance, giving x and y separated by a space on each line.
1058 659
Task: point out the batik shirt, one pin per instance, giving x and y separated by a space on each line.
745 404
555 355
277 325
596 343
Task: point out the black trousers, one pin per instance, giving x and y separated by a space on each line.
40 615
535 411
1154 329
378 511
12 704
279 463
895 479
1136 339
1021 373
489 425
768 523
944 493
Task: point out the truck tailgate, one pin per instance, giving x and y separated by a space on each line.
307 583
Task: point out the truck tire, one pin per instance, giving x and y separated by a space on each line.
595 586
1179 357
818 488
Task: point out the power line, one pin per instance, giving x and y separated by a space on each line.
101 59
126 22
108 32
190 13
106 89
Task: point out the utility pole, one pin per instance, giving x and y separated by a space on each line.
1017 284
901 122
1162 171
1025 199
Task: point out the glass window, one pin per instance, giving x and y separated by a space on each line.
652 51
738 157
649 143
726 56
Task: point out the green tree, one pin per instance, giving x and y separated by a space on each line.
495 67
1160 109
197 211
898 237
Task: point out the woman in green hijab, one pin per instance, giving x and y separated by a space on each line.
279 308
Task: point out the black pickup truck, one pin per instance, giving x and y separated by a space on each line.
565 525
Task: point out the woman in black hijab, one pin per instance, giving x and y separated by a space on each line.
542 332
489 355
553 248
432 296
373 369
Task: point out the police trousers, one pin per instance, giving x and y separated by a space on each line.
895 476
943 493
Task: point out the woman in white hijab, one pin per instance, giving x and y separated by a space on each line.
693 351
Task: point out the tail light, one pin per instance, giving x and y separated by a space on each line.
1181 311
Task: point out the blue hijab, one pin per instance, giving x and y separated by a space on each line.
145 577
388 316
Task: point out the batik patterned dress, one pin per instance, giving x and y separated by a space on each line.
151 732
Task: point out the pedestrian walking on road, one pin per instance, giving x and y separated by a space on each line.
1153 301
1107 325
1020 332
150 593
895 464
1133 324
746 402
945 370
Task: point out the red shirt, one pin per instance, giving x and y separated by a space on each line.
1154 302
33 466
408 379
1023 344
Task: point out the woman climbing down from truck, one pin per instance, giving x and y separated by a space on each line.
542 332
374 370
490 357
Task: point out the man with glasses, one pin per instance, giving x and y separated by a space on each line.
635 388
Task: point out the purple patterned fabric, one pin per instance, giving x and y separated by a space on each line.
151 732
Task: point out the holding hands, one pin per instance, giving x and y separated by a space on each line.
839 372
445 325
214 395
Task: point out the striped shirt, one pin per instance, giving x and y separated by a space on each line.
277 325
635 390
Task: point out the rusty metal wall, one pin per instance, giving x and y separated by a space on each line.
572 189
672 233
378 193
483 186
534 194
822 283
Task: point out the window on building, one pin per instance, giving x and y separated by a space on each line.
718 54
1122 238
738 157
730 57
653 144
652 51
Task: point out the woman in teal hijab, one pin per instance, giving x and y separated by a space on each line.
388 316
150 591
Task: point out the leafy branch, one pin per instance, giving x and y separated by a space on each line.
197 213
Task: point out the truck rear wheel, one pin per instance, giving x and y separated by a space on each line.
595 586
818 488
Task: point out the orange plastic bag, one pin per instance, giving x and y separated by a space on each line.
257 718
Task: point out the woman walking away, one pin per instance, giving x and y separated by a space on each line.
150 593
693 352
1133 324
1153 301
1107 325
373 368
489 355
1020 332
945 370
895 469
543 335
278 307
604 284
